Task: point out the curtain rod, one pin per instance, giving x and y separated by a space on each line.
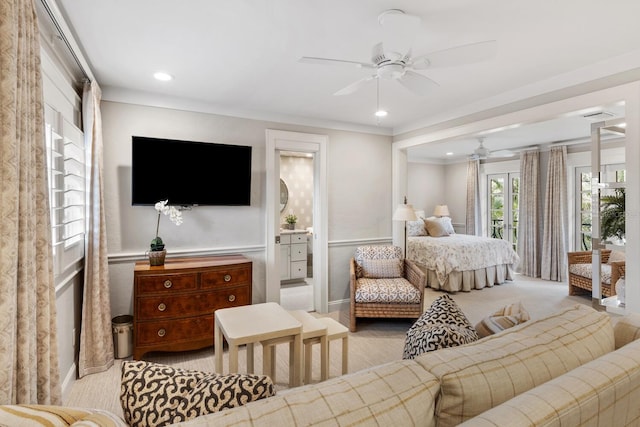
53 13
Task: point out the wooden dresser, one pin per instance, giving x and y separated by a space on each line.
174 303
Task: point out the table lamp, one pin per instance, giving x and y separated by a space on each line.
404 212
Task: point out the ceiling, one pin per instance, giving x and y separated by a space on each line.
240 57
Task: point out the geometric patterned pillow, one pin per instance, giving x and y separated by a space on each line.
442 325
382 268
154 395
416 228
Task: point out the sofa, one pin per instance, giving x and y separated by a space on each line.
570 368
575 367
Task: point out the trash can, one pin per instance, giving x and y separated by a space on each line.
122 336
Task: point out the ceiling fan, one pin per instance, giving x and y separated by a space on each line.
392 59
482 152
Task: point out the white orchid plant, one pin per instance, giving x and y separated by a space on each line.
175 216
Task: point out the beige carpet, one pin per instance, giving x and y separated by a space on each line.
375 342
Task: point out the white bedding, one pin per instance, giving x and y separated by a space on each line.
459 252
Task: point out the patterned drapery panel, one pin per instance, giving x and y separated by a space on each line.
528 226
28 343
96 343
473 220
554 241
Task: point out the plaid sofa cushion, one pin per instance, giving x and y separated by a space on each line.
395 394
56 416
484 374
604 392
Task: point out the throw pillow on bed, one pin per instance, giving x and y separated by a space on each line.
435 228
505 318
442 325
154 395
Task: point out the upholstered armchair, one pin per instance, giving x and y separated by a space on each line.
383 284
581 272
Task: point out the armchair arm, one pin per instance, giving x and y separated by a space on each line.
617 271
352 279
584 257
415 275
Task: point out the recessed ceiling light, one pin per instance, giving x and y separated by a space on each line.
449 153
381 113
162 76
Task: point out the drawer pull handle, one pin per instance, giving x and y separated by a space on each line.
227 277
232 298
162 332
162 306
168 284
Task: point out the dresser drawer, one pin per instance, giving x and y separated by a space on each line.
298 252
298 269
167 306
174 331
166 283
227 276
298 238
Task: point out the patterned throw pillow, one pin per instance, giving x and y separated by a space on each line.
507 317
442 325
416 228
382 268
154 395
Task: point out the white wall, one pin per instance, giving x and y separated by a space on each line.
359 182
425 186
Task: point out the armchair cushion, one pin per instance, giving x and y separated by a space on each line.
585 270
396 290
382 268
154 395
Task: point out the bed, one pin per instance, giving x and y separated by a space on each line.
460 262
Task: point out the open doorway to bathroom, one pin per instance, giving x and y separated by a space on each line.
296 234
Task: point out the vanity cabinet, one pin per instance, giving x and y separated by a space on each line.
174 303
293 255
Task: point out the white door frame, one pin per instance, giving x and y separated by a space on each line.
276 141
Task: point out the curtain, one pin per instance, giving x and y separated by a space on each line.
96 339
528 226
473 224
554 239
28 343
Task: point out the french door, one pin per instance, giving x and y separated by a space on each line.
504 197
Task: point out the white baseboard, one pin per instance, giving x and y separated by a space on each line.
68 381
338 305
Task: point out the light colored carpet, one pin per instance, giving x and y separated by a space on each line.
377 341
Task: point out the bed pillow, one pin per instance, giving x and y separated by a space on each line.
446 222
435 228
382 268
416 228
442 325
154 395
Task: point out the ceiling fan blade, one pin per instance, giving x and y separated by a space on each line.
458 55
398 31
417 83
329 61
354 86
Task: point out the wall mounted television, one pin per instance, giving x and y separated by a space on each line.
189 172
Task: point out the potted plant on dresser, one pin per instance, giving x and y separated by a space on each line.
157 252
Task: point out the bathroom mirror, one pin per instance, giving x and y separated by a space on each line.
284 195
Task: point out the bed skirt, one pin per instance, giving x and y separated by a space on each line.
470 279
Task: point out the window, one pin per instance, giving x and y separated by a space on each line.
610 173
66 165
504 196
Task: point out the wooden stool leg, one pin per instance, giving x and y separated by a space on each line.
291 362
324 358
250 366
345 355
308 348
269 361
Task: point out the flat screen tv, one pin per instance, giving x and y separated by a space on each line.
189 172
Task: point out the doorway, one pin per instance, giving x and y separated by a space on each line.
504 197
296 230
281 143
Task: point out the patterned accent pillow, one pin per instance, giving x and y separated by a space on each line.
435 228
616 256
375 252
442 325
382 268
154 395
416 228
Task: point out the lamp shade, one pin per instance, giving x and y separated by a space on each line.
404 212
441 210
